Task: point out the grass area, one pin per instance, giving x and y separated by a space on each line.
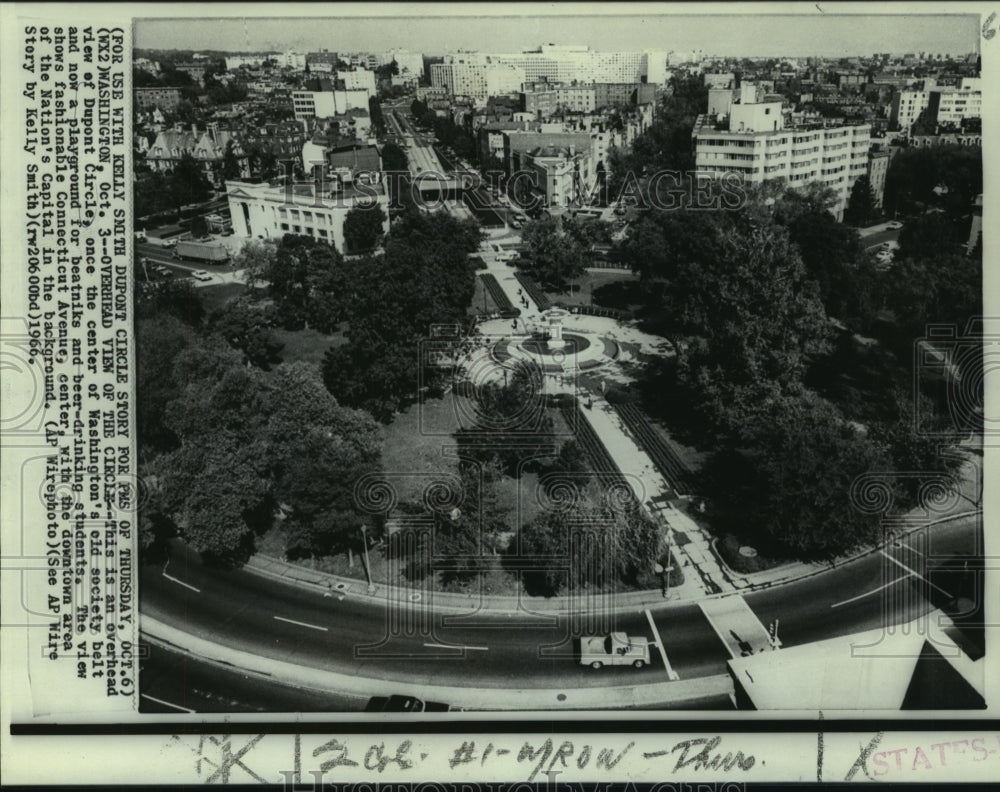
477 304
307 346
582 287
215 297
415 443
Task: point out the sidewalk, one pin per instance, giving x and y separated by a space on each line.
702 572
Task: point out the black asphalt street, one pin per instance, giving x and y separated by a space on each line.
493 649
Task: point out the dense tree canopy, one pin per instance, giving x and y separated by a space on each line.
789 493
305 278
593 544
424 277
666 144
363 228
513 424
236 443
914 173
861 210
553 256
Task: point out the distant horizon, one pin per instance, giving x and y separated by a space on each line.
724 36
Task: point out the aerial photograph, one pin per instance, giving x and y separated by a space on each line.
554 363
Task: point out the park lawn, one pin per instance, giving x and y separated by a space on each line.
587 283
414 444
215 297
477 306
307 345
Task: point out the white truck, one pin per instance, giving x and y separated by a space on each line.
201 251
614 649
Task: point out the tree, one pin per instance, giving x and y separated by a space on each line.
554 258
248 442
912 449
833 256
159 340
745 318
930 236
375 113
861 209
319 450
363 228
914 173
305 282
788 489
394 158
255 259
468 538
188 182
231 163
604 545
216 486
247 328
666 144
178 298
423 278
199 226
587 231
513 424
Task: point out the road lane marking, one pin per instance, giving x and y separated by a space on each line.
659 645
914 572
301 624
165 703
446 646
869 593
172 579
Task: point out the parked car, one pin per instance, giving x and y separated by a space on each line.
168 243
403 704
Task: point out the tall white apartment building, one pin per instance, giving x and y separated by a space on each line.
946 104
655 66
614 67
907 106
465 73
236 60
756 143
292 59
950 105
327 104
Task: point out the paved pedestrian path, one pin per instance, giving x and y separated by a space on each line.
691 544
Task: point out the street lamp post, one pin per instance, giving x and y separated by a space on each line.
368 566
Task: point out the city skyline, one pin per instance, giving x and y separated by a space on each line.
770 35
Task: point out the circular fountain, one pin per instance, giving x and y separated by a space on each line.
553 350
